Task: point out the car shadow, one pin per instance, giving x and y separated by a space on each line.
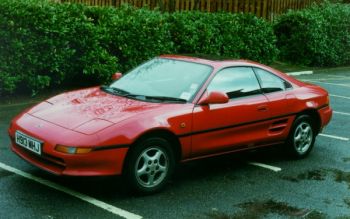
224 167
221 165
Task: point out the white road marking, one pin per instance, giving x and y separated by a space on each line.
335 137
339 76
315 81
276 169
322 79
300 73
341 113
86 198
307 213
333 95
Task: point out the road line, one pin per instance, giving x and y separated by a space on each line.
114 210
344 85
339 76
307 213
341 113
322 79
276 169
335 137
333 95
300 73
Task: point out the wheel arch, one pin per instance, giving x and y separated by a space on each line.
315 116
163 133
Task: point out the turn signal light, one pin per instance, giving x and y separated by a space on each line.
72 150
83 150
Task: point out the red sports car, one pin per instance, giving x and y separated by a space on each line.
170 109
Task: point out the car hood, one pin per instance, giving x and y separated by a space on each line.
89 110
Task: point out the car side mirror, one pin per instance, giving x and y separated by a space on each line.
116 76
213 97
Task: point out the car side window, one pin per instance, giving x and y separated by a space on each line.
270 82
235 82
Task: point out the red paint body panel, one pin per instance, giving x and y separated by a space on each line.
208 119
111 124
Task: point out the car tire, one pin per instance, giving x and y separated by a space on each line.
149 165
301 137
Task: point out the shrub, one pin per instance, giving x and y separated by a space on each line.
247 36
46 44
226 34
133 35
195 32
317 36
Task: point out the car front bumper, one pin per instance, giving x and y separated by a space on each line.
108 160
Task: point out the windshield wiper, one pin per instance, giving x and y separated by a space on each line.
115 90
164 98
124 93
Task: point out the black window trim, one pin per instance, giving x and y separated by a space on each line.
260 81
238 66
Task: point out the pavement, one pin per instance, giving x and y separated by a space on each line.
257 184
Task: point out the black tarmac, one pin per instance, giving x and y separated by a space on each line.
215 188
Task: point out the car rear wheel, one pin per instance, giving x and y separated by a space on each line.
150 165
301 137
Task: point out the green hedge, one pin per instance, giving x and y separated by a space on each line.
246 36
226 34
133 35
317 36
45 44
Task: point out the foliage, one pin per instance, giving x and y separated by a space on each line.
195 32
226 34
247 36
45 44
133 35
317 36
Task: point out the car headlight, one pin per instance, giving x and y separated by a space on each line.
72 150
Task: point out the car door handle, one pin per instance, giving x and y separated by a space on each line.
262 108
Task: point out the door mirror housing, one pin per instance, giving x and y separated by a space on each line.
116 76
213 97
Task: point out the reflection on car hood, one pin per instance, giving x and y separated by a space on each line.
73 109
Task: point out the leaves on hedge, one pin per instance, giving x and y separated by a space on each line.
45 44
316 36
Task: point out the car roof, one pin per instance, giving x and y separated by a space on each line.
221 62
214 61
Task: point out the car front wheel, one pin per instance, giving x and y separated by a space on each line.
301 137
150 165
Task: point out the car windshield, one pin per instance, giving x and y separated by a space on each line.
163 79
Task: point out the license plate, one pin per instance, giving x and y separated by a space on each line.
28 142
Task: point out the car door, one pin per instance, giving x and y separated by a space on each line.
240 123
281 100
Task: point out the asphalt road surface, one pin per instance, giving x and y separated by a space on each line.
259 184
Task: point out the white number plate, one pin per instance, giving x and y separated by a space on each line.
28 142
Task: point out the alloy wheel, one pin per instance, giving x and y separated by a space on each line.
303 137
151 167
